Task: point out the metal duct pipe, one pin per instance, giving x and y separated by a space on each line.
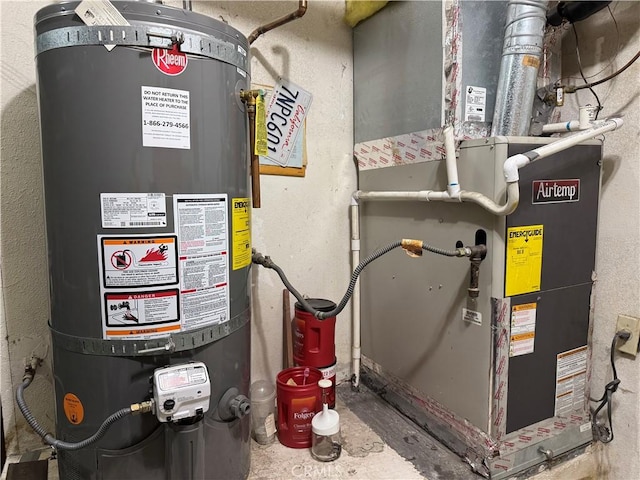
521 53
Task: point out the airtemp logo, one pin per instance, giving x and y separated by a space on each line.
556 191
170 62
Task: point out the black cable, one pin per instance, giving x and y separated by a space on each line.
604 433
266 262
558 81
575 33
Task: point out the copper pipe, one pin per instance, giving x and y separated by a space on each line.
249 98
302 8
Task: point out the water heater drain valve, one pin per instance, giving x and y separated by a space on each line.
181 391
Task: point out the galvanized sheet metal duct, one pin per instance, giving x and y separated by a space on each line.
521 54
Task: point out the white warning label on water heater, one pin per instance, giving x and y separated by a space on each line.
203 245
133 210
166 118
139 261
139 287
141 308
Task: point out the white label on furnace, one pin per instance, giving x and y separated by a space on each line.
133 210
476 104
571 379
203 250
523 329
165 118
471 316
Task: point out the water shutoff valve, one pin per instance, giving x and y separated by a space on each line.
181 391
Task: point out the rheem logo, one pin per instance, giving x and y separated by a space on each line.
170 62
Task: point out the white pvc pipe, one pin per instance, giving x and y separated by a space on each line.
511 167
513 198
418 196
584 122
570 126
513 163
355 299
453 187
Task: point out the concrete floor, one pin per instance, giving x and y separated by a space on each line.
365 456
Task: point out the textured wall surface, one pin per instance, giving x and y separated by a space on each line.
22 241
603 51
303 222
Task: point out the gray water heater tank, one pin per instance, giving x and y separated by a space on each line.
144 146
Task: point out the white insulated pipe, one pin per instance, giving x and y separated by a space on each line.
355 298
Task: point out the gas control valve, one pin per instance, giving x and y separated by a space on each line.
181 391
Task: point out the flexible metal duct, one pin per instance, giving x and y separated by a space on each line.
521 53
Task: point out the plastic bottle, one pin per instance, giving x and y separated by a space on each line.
263 395
326 443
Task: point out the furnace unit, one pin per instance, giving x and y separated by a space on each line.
501 378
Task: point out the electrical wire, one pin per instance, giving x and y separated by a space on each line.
575 33
602 432
615 56
573 89
48 437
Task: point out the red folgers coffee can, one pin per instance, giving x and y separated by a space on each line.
298 399
313 339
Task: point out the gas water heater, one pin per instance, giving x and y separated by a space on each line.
144 146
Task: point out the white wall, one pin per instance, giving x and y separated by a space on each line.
303 222
618 256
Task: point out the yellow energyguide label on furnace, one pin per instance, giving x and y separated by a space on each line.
524 260
241 232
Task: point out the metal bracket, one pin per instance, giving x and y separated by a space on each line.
141 35
158 346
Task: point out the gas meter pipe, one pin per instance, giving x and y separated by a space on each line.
302 9
48 438
249 98
414 247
